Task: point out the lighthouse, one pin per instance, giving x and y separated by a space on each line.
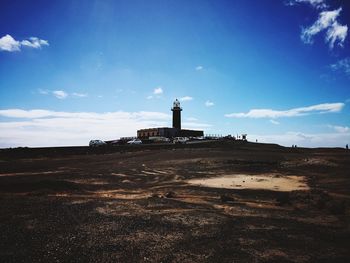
176 109
168 132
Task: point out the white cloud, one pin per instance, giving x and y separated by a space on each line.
340 129
274 122
34 42
209 103
60 94
39 113
158 91
342 65
193 124
319 4
8 43
327 20
305 139
186 98
336 32
80 95
54 128
43 91
269 113
198 68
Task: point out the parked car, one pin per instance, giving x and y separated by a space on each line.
118 142
159 139
198 138
114 142
97 143
180 140
135 141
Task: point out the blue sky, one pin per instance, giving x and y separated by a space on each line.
72 71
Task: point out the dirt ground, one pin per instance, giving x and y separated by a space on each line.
135 204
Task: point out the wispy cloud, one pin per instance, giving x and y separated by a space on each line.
158 91
340 129
34 42
54 128
191 119
342 65
336 32
60 94
209 103
319 4
8 43
274 122
269 113
40 113
43 91
186 98
327 20
198 68
80 95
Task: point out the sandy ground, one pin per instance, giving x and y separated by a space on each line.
154 204
272 182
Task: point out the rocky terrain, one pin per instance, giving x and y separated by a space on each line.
137 204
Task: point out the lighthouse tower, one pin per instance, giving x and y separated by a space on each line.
176 109
167 132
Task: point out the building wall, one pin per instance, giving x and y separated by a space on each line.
153 132
146 133
190 133
167 132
